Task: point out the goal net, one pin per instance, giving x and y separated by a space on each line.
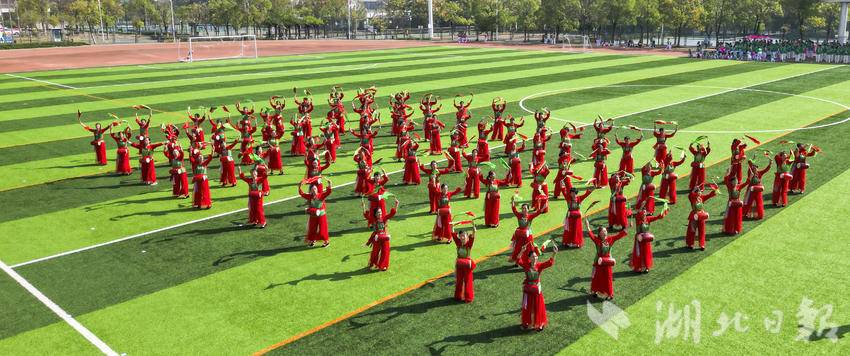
576 42
217 47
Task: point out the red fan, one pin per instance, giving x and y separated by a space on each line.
463 222
311 180
753 139
524 137
378 160
470 213
224 107
418 138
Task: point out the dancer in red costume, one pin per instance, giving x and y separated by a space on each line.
600 169
472 186
246 128
599 125
256 213
144 124
538 154
443 227
362 184
627 162
733 219
801 153
782 178
337 109
737 158
533 304
219 136
122 155
754 202
498 131
148 165
618 211
483 146
464 265
298 145
227 176
522 235
196 129
512 127
377 197
97 138
305 105
462 116
514 166
379 240
429 113
411 163
435 128
564 179
641 260
700 153
179 180
602 276
698 216
317 217
455 156
273 153
491 198
646 193
262 169
201 198
661 137
434 174
367 137
566 144
667 189
573 233
540 118
314 170
539 188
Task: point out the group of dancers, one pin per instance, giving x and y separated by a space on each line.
319 151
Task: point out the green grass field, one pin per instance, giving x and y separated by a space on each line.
148 274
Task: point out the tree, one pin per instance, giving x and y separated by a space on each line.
648 17
681 14
618 13
525 12
32 13
451 12
798 12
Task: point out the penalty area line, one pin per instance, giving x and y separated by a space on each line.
41 81
85 332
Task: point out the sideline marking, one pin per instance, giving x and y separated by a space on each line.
42 81
86 333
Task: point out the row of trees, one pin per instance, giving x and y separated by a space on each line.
606 19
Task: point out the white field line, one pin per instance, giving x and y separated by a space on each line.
37 260
86 333
728 90
148 67
42 81
373 65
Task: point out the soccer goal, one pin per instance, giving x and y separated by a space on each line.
576 43
217 47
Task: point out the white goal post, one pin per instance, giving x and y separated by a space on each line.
576 42
217 47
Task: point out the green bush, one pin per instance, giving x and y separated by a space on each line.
41 45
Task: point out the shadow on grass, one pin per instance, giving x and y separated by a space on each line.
485 337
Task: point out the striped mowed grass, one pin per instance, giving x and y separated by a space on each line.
217 286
